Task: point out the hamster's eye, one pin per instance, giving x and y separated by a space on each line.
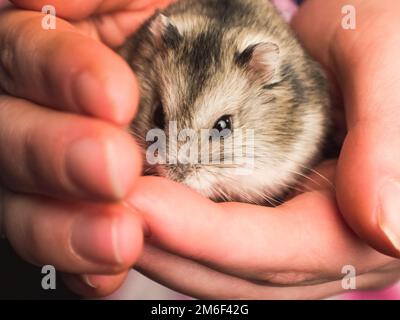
159 116
223 126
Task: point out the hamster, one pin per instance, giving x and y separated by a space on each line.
221 66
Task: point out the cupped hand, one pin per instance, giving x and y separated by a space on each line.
65 157
365 66
302 249
299 249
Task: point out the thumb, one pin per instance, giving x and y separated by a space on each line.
368 174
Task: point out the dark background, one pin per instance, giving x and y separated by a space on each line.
20 280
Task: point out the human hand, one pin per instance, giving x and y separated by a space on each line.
64 154
241 251
298 250
364 64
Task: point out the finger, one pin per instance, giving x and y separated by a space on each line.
74 238
168 269
206 283
368 175
94 286
57 68
300 241
64 155
76 9
114 27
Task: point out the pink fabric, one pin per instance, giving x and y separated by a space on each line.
390 293
287 8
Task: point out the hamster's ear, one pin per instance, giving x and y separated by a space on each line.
165 31
263 59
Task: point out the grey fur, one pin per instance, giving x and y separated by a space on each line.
199 55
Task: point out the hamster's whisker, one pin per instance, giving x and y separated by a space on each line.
271 198
315 172
217 190
263 195
293 187
137 135
306 177
299 186
303 187
151 171
322 177
227 166
139 140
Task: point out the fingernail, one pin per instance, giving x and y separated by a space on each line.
96 238
94 96
96 166
86 279
389 212
87 89
119 166
123 99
